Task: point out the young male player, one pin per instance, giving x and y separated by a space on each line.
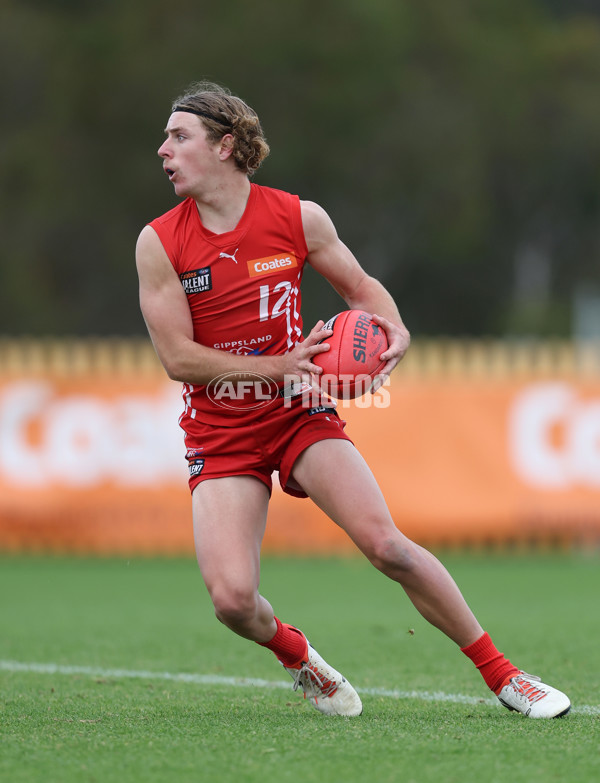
220 293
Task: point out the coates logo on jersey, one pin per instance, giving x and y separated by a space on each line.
242 392
271 264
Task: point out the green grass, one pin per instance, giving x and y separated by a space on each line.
154 616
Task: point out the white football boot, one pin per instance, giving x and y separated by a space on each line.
328 691
528 695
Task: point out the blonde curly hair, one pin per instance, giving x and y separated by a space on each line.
222 113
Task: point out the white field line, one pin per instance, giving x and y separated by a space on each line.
213 679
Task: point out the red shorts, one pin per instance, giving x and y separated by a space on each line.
272 442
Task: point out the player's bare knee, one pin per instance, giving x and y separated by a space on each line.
392 555
234 607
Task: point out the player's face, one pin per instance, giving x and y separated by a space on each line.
189 160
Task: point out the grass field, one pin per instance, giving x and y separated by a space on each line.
116 670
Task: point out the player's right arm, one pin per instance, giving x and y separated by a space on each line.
168 318
164 305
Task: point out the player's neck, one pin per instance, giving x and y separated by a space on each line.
221 210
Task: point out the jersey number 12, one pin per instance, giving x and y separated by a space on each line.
277 299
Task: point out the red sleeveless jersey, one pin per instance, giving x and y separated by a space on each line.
243 286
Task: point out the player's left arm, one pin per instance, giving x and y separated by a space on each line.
329 256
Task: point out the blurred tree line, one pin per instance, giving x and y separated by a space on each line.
455 144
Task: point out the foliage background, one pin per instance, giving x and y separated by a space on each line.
456 146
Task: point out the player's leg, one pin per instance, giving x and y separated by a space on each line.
229 523
355 502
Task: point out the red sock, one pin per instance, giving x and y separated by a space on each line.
289 644
495 669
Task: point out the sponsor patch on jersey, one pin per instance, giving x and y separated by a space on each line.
195 281
253 346
271 264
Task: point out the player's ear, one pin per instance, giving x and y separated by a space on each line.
226 146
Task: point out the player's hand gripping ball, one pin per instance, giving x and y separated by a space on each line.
353 359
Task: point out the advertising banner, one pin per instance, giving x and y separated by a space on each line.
95 464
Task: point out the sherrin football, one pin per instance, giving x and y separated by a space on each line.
352 360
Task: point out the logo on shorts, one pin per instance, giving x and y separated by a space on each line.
195 467
195 281
242 391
